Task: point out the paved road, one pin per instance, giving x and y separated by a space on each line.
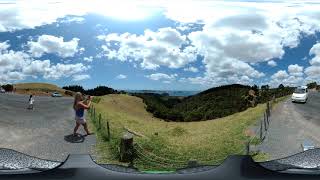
292 124
43 132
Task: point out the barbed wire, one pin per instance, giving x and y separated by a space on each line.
137 146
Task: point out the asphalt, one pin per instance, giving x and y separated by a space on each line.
44 132
291 125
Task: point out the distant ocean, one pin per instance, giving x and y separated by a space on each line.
171 93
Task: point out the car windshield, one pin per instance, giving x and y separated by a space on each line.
159 85
300 91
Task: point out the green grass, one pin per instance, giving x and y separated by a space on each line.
255 141
208 142
96 99
259 156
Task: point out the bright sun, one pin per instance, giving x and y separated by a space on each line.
121 9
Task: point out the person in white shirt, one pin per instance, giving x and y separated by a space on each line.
31 100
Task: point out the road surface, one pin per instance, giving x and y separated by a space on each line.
43 132
291 125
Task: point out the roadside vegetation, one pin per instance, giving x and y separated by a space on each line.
208 142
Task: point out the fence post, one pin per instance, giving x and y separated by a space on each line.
261 131
126 148
248 148
264 120
108 130
192 163
267 108
267 120
94 115
99 122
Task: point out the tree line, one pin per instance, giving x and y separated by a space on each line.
8 87
97 91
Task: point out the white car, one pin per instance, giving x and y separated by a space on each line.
56 94
300 94
2 90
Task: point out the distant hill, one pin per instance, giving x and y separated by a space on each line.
210 104
38 88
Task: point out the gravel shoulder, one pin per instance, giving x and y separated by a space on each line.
43 132
291 124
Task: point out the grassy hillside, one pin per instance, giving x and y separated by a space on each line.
37 88
209 142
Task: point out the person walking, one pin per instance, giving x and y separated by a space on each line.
31 101
79 106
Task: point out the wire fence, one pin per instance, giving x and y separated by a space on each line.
261 130
152 160
98 122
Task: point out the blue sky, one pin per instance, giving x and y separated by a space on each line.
157 46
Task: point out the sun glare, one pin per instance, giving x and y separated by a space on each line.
122 9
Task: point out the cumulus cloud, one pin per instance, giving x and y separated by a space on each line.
152 49
121 76
272 63
165 78
295 70
88 59
17 65
80 77
191 69
52 44
78 20
313 71
64 70
294 78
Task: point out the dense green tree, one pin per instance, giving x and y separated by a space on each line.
7 87
281 86
312 85
74 88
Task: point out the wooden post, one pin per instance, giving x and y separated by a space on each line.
108 130
99 121
126 148
265 123
267 120
261 131
192 163
94 115
248 148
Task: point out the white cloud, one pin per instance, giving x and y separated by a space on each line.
88 59
232 39
80 77
282 77
64 70
191 69
162 76
4 46
121 76
153 49
17 65
52 44
295 70
313 71
272 63
78 20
